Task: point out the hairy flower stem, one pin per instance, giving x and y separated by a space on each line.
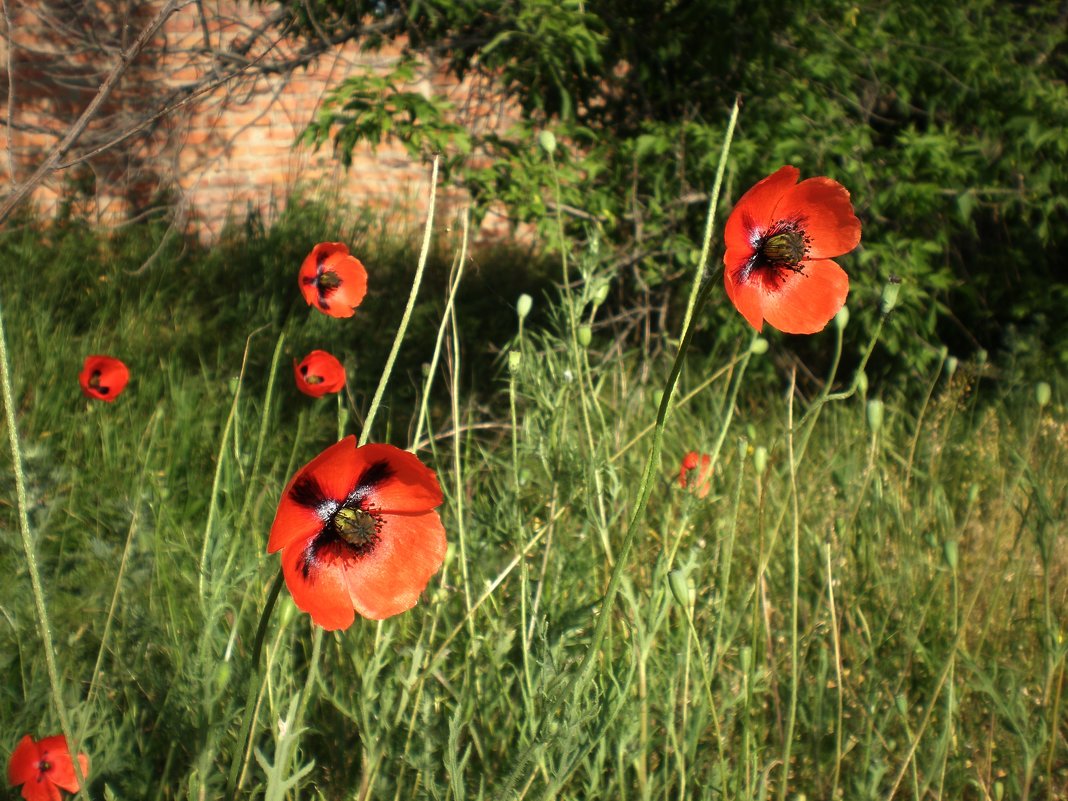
31 557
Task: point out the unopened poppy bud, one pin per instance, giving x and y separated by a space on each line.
743 447
522 306
949 550
890 293
585 336
875 414
1042 393
952 362
973 494
862 382
841 320
999 790
758 346
600 293
547 140
981 356
902 705
515 358
682 589
760 459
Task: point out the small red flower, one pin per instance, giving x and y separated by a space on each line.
701 484
780 240
318 374
103 377
358 533
43 768
332 280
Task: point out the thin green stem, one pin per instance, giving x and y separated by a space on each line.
454 285
254 681
31 556
795 579
376 401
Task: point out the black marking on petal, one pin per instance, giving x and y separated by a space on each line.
323 304
307 492
103 390
308 561
320 257
373 475
304 369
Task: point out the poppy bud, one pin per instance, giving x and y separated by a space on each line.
745 658
600 293
760 459
523 305
841 320
949 550
862 382
682 589
875 414
981 356
890 293
585 336
1042 393
547 140
951 366
902 705
758 346
999 790
515 358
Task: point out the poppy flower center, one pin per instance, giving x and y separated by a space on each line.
357 527
94 379
783 247
328 280
313 379
44 766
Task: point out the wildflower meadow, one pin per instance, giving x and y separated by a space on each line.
326 510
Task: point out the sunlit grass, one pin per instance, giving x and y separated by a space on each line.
931 567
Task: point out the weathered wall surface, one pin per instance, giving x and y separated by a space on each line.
224 151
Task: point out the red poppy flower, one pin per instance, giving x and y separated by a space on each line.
44 768
103 377
358 533
780 240
700 484
332 280
318 374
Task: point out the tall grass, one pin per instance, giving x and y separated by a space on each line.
873 591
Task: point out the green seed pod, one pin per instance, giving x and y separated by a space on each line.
760 459
745 659
682 589
515 358
1042 393
952 362
841 320
902 705
890 293
875 414
522 306
585 336
547 140
759 346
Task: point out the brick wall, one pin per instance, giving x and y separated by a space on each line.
225 152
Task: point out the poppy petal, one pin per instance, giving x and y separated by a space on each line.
747 297
54 750
22 767
756 209
318 585
823 208
804 302
329 477
389 580
396 481
103 377
353 276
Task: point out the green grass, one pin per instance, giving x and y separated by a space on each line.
897 592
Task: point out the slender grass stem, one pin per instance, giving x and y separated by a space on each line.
380 390
31 556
